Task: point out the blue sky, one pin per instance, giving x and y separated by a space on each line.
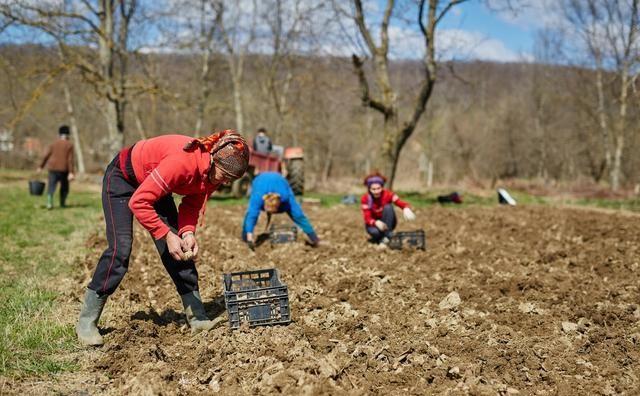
469 31
515 32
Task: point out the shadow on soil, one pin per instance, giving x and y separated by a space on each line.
214 308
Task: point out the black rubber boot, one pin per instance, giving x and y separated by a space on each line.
87 327
196 315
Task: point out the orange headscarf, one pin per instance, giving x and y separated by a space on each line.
215 142
229 151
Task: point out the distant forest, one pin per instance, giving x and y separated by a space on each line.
486 121
569 114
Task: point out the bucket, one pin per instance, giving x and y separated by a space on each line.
36 187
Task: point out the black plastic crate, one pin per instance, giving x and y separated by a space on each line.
282 234
413 239
256 297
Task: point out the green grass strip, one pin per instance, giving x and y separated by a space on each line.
38 246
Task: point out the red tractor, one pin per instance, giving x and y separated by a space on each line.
288 161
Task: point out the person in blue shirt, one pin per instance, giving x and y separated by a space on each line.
270 192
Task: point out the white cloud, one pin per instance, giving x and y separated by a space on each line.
451 44
532 15
466 45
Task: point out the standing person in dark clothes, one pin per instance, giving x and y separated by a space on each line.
377 209
140 182
59 162
262 143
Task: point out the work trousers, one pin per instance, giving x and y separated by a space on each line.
389 218
56 177
114 262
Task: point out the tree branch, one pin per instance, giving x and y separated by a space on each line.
384 28
90 7
359 19
448 7
364 86
420 13
50 14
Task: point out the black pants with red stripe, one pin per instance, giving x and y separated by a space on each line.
114 262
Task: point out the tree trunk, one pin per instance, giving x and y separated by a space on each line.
236 79
280 102
388 155
602 118
77 146
204 91
542 161
105 54
621 126
616 169
121 106
138 121
116 138
328 164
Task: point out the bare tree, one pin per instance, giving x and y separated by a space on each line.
205 40
237 32
288 25
76 26
608 29
385 98
73 123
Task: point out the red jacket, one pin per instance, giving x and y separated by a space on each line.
162 167
372 208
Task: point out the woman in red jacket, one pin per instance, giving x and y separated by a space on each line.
139 182
377 209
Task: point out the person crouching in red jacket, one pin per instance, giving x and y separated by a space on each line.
140 182
377 209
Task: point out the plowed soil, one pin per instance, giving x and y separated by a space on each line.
548 304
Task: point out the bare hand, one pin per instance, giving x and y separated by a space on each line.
251 242
174 244
39 170
408 214
190 246
313 244
381 225
71 176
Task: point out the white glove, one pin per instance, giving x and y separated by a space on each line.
408 214
381 225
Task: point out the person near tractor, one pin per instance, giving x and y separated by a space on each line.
377 209
271 193
139 183
59 162
262 142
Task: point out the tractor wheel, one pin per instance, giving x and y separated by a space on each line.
295 175
240 188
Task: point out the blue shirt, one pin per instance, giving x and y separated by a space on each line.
273 182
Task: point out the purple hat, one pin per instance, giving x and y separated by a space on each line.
374 180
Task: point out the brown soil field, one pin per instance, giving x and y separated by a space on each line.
548 304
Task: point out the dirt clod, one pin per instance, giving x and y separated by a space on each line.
569 327
535 316
451 301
